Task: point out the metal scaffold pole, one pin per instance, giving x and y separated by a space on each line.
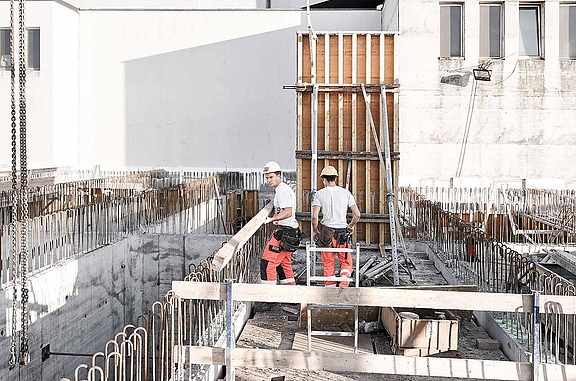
387 164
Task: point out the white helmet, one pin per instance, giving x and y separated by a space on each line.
271 167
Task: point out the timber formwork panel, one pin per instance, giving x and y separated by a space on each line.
344 138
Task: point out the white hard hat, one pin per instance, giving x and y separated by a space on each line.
329 171
271 167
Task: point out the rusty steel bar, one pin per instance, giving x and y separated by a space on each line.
173 323
77 217
476 257
537 216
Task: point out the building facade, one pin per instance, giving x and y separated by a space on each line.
187 86
519 125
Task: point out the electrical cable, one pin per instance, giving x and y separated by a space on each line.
466 129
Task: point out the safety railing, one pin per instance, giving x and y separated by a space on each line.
476 258
433 366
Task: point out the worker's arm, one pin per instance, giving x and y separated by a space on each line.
355 217
315 213
284 213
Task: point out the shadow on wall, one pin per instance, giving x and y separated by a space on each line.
218 105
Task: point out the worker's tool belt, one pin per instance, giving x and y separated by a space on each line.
289 237
324 239
342 236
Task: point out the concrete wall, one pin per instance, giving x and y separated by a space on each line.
51 92
523 121
78 306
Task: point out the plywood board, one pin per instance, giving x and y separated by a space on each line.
333 344
344 138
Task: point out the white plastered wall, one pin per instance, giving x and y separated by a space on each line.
51 92
163 88
193 88
523 121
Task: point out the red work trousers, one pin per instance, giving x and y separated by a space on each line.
328 259
272 257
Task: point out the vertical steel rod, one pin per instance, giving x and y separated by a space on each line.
536 336
230 334
314 143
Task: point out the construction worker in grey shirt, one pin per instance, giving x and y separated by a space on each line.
334 230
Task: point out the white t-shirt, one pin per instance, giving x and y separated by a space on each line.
334 202
284 197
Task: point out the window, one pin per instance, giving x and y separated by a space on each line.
5 49
568 31
530 31
491 30
33 48
451 30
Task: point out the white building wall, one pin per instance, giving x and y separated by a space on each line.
193 88
163 88
523 121
51 92
65 50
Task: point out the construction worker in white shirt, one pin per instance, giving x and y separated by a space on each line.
334 230
277 255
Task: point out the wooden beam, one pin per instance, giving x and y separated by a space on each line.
381 364
226 252
345 155
344 88
376 296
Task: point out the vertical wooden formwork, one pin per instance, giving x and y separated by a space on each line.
344 62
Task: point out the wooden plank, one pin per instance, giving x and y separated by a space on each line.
340 137
381 364
300 59
226 252
368 207
321 59
377 297
344 61
333 343
299 126
306 60
327 95
354 106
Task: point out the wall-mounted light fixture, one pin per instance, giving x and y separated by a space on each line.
482 74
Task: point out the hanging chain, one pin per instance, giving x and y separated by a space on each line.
24 353
14 214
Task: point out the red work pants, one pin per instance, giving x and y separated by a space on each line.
328 259
271 260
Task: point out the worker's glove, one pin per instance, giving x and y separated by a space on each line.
268 220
